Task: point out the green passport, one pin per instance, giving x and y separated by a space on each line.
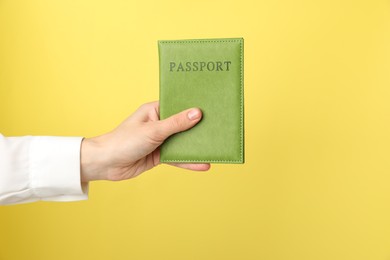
208 74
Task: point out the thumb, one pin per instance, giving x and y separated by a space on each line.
180 122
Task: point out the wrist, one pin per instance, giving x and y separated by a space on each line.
92 166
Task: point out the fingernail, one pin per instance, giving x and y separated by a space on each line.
193 114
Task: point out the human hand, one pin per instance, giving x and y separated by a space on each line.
133 147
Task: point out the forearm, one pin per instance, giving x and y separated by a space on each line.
40 168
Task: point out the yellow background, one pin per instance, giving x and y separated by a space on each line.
316 183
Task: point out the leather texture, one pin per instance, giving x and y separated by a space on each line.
204 73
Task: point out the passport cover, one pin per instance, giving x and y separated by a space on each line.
208 74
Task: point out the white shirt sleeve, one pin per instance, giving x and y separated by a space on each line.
40 168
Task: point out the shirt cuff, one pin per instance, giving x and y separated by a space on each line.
55 168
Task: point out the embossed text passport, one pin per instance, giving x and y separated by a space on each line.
208 74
